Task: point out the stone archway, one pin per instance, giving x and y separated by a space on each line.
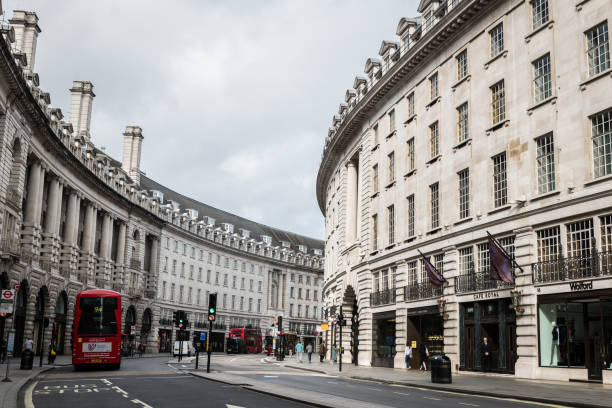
59 325
40 317
351 315
21 303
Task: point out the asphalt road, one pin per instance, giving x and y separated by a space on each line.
147 382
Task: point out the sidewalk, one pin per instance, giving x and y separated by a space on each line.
9 390
556 392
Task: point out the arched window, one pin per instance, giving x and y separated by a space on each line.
146 322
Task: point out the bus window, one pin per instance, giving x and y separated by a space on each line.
97 316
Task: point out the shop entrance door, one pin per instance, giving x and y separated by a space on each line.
595 350
469 347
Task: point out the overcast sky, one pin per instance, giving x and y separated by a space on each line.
234 97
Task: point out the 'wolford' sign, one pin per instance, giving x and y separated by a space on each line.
577 286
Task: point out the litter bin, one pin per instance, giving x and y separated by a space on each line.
441 370
27 360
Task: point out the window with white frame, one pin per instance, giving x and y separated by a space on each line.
462 123
391 167
433 86
542 83
434 140
376 282
497 39
500 181
466 261
164 290
234 281
375 179
200 274
410 154
410 208
601 135
392 120
464 193
412 278
374 232
199 296
172 289
437 261
189 299
580 239
606 238
410 101
233 302
545 163
462 65
391 223
434 206
549 244
498 102
241 303
483 257
258 305
598 48
539 13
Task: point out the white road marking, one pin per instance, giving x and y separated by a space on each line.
28 395
400 393
270 376
139 402
374 389
432 398
105 381
332 382
469 405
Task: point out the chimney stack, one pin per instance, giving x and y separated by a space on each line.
26 28
81 100
132 145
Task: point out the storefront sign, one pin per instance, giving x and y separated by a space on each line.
578 286
486 295
324 327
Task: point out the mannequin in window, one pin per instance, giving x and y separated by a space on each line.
554 346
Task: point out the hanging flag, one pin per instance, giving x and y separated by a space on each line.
500 262
435 278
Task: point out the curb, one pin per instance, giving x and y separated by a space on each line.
250 387
20 392
462 391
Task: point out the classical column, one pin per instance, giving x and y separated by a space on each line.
351 202
89 229
58 215
121 244
31 215
72 219
41 188
154 256
53 202
106 238
281 290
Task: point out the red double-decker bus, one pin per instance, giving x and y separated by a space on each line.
96 336
251 337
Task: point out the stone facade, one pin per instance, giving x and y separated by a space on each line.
73 218
484 117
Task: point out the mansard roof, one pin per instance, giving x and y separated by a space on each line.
384 47
405 23
220 216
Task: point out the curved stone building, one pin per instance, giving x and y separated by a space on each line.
74 218
482 116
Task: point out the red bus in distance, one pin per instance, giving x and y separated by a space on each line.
96 337
251 337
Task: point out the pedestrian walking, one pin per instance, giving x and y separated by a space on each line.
52 353
334 354
423 354
140 350
322 351
29 344
408 354
299 349
309 352
486 355
3 346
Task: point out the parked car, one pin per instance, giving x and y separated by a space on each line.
236 345
187 348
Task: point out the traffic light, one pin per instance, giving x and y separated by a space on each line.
212 307
280 324
175 318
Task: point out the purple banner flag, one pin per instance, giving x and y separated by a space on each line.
432 273
500 264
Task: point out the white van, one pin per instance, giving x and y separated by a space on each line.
188 349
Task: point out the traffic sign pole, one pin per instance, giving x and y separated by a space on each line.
340 320
208 344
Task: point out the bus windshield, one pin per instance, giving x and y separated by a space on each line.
97 316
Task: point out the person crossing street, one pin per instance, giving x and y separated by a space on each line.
299 349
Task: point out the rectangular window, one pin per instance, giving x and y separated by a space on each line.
433 200
199 295
259 286
433 86
307 294
497 39
375 128
164 290
410 205
291 310
462 123
234 282
189 295
291 294
374 232
251 285
241 303
606 239
375 178
462 65
598 48
434 141
545 163
549 244
391 169
542 88
258 305
500 181
225 301
412 273
392 120
391 223
498 102
200 274
233 302
191 272
208 276
410 154
376 281
172 287
242 284
466 261
464 193
580 238
174 266
601 134
181 290
299 310
225 279
410 100
216 278
250 304
539 13
182 269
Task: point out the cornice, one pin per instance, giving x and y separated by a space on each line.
413 58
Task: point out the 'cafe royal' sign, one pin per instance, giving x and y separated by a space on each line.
490 295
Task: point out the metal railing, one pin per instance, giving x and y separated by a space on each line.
421 290
561 269
384 297
473 282
165 322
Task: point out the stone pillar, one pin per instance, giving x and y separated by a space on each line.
452 322
50 251
401 315
30 217
351 203
119 279
69 257
58 214
281 291
106 238
39 199
366 322
527 322
87 260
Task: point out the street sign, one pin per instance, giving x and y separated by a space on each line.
202 336
324 327
6 309
7 296
17 286
211 318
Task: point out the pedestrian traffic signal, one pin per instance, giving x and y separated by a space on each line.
212 307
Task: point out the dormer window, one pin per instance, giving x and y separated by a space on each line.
227 227
266 239
285 244
175 205
317 252
244 233
302 248
193 214
158 195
